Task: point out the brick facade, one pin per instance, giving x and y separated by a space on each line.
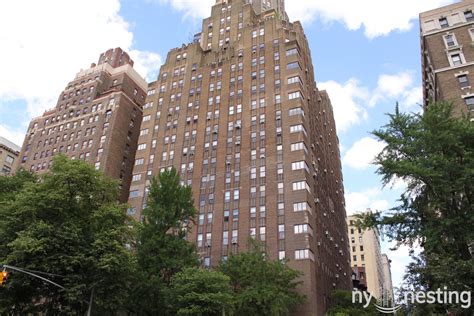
447 43
238 113
97 119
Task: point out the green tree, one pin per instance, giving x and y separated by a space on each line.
67 224
261 286
342 305
9 186
433 153
201 292
161 248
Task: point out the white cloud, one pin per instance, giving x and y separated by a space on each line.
357 202
398 184
362 153
378 18
14 136
191 8
413 99
346 99
351 100
400 87
52 41
146 63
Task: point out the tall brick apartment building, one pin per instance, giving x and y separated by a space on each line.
97 119
239 114
447 45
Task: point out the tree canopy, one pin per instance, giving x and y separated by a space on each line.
262 286
201 292
433 153
67 224
161 249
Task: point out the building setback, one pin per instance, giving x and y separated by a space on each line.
367 260
8 156
238 113
97 119
447 36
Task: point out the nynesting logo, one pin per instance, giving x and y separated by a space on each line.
432 297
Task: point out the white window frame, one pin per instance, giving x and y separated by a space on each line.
461 56
454 40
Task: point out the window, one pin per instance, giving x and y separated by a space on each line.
294 65
139 161
299 165
297 128
301 206
225 238
296 111
301 185
295 79
469 101
146 118
136 177
463 81
456 60
277 99
141 147
292 51
469 16
450 41
304 254
443 22
134 194
281 231
298 146
303 229
9 160
294 95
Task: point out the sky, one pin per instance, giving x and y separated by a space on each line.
366 54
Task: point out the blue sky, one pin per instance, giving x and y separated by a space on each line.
365 53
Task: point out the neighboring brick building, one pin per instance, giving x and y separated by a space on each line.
447 45
8 157
97 119
238 113
366 253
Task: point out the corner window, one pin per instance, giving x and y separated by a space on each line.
294 65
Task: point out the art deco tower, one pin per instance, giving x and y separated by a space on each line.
97 119
238 113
